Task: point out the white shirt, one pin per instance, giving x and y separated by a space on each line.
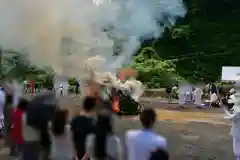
2 102
140 144
2 97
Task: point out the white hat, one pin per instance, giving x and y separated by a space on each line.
232 90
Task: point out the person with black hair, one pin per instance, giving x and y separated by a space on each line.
103 143
169 94
62 147
141 143
37 138
82 125
159 154
77 87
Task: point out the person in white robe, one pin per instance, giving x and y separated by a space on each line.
61 89
181 94
234 116
188 93
235 130
2 103
198 92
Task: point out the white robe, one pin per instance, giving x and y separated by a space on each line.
198 96
2 102
188 93
235 131
213 98
182 97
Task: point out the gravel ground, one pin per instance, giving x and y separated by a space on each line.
187 141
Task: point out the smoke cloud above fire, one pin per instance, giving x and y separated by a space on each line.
63 34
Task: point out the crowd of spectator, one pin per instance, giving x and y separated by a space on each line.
87 135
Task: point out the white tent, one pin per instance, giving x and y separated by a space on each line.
230 73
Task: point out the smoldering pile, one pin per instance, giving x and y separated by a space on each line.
111 80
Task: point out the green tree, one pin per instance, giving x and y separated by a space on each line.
205 40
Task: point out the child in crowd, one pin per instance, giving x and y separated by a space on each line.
16 127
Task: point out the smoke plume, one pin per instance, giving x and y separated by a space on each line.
65 33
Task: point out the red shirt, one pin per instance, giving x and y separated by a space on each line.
16 132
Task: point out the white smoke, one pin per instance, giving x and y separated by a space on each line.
64 33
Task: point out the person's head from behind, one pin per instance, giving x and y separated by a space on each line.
89 103
59 122
148 118
159 154
23 104
102 130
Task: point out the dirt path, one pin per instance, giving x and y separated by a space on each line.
177 116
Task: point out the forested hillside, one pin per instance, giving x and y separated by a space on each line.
197 47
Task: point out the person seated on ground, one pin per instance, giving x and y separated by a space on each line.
62 146
82 125
16 127
141 143
103 143
214 100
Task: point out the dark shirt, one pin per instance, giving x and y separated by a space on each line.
77 84
169 90
81 126
213 89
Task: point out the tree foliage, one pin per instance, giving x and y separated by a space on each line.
205 40
197 47
155 73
